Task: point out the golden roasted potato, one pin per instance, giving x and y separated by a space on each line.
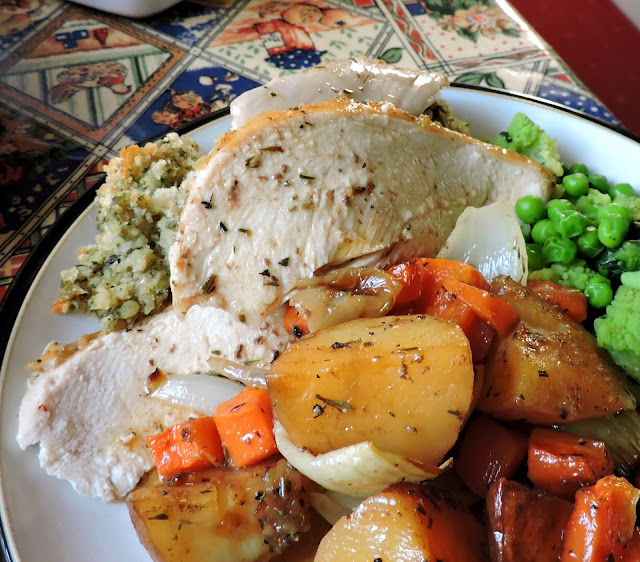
405 383
222 514
406 522
549 370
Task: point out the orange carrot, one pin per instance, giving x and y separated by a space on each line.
294 323
187 446
409 274
632 553
452 309
501 315
245 424
488 451
572 301
561 463
602 522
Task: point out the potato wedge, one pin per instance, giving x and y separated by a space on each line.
404 383
221 514
406 522
549 370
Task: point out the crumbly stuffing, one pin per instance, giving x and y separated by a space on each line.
124 275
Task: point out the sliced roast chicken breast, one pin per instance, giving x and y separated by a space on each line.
89 411
295 192
361 79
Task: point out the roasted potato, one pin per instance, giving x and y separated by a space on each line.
525 525
405 383
549 370
406 522
222 514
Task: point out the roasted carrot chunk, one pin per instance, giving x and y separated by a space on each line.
488 451
572 301
245 424
500 314
525 525
602 522
421 277
561 463
187 446
632 552
294 323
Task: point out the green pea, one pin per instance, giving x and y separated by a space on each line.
530 209
613 210
590 212
542 231
599 182
588 243
556 206
559 250
625 188
569 223
612 230
535 256
579 168
598 292
576 184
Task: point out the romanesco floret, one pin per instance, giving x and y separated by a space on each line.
631 202
592 198
526 138
618 330
577 274
613 263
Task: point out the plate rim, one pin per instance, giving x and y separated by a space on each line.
19 289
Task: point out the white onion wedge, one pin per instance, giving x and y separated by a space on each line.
490 239
332 506
357 471
202 393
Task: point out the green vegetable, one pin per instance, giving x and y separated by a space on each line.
612 230
559 250
618 330
542 231
613 263
569 223
631 279
576 274
630 202
624 188
530 209
576 184
527 138
599 182
557 206
598 292
535 256
579 167
592 198
588 244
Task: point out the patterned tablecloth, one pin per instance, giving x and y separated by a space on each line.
78 84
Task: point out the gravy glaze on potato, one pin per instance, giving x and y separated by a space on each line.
404 383
549 369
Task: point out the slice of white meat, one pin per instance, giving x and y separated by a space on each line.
298 191
360 79
90 411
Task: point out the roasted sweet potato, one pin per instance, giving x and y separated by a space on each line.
405 383
525 525
406 522
549 369
487 451
222 514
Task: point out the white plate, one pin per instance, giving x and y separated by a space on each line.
42 517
